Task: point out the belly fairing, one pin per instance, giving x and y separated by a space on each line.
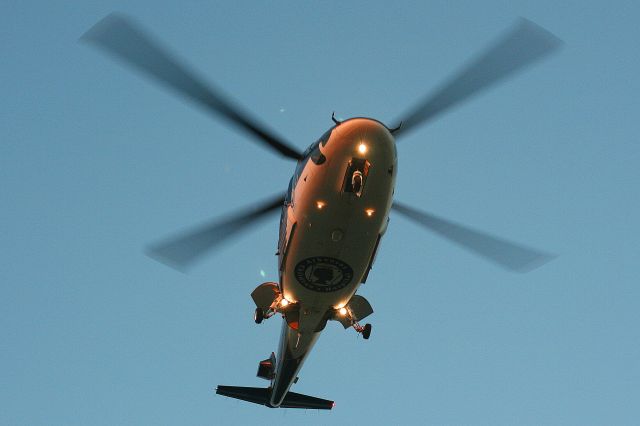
336 228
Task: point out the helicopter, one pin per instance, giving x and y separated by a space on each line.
336 208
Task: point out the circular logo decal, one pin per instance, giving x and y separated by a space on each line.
323 274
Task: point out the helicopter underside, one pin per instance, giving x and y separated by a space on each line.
338 202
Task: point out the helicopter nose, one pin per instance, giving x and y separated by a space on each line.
363 137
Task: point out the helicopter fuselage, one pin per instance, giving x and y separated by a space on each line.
335 212
337 205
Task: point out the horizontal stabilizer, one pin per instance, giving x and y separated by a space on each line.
263 395
298 400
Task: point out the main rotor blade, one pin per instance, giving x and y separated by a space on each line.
523 45
122 38
182 250
509 255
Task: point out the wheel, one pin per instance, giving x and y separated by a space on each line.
366 332
258 315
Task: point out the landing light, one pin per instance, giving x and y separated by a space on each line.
342 311
320 204
284 302
369 212
362 148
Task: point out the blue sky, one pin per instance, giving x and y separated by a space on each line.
96 162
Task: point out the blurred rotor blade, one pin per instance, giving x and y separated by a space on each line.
523 45
511 256
122 38
182 250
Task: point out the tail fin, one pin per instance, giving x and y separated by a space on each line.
263 395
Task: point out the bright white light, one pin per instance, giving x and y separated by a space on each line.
342 311
284 302
320 204
369 212
362 148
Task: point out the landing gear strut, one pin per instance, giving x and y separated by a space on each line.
365 331
279 305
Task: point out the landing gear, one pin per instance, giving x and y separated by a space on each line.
279 306
270 301
258 315
366 331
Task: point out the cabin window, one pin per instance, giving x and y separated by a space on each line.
299 168
289 196
316 156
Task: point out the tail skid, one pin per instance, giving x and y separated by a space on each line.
263 396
